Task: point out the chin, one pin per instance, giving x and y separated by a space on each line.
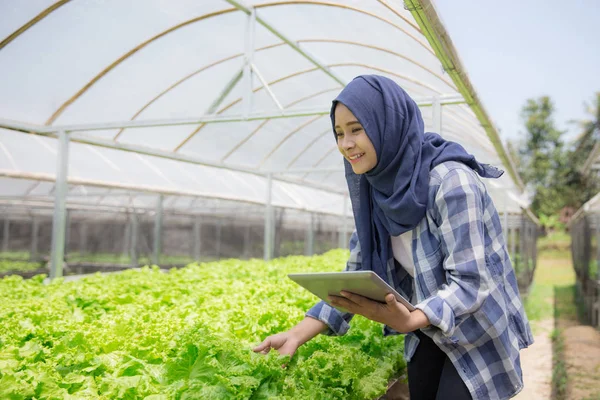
358 171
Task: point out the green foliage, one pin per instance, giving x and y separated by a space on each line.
6 266
185 334
550 168
551 222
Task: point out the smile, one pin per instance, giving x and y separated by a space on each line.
356 158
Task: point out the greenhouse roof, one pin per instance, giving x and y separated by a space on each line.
206 98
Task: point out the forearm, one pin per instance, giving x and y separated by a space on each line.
307 329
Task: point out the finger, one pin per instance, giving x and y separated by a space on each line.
342 302
390 299
355 298
346 299
265 345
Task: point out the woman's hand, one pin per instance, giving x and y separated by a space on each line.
285 343
391 313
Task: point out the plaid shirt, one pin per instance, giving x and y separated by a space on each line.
464 282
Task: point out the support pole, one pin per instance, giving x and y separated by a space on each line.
60 205
268 246
197 228
309 243
219 231
158 221
135 231
35 229
127 237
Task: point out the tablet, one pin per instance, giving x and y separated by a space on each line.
365 283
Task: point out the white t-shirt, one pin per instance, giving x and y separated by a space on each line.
402 248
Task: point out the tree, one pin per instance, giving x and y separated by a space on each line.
590 131
541 155
548 166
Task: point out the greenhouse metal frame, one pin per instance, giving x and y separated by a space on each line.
261 89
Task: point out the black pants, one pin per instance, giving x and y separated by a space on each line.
431 375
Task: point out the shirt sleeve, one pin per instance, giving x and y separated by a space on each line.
338 321
459 213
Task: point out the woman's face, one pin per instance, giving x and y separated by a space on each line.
353 142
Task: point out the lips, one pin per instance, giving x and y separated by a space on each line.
355 158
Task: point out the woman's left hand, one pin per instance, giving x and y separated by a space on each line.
391 313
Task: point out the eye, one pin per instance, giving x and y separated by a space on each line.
339 134
357 129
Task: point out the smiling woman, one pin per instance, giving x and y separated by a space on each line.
353 142
426 224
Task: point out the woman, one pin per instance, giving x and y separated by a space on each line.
426 224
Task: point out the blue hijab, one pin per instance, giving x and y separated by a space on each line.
392 198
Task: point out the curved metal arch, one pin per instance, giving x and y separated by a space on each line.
343 6
243 141
287 137
410 60
238 100
308 146
125 56
32 22
199 128
218 62
472 123
185 78
137 48
392 9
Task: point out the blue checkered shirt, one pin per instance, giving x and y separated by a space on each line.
464 282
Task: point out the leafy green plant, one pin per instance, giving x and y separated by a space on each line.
184 334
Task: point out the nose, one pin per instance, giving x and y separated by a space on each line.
346 143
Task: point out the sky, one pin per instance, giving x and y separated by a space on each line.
514 50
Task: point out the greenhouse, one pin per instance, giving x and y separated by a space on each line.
185 132
585 231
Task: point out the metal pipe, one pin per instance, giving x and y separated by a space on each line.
268 246
446 99
35 228
248 10
197 231
59 218
126 237
218 238
135 229
158 221
309 245
266 86
230 85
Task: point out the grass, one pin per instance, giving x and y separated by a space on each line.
554 270
552 295
559 369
